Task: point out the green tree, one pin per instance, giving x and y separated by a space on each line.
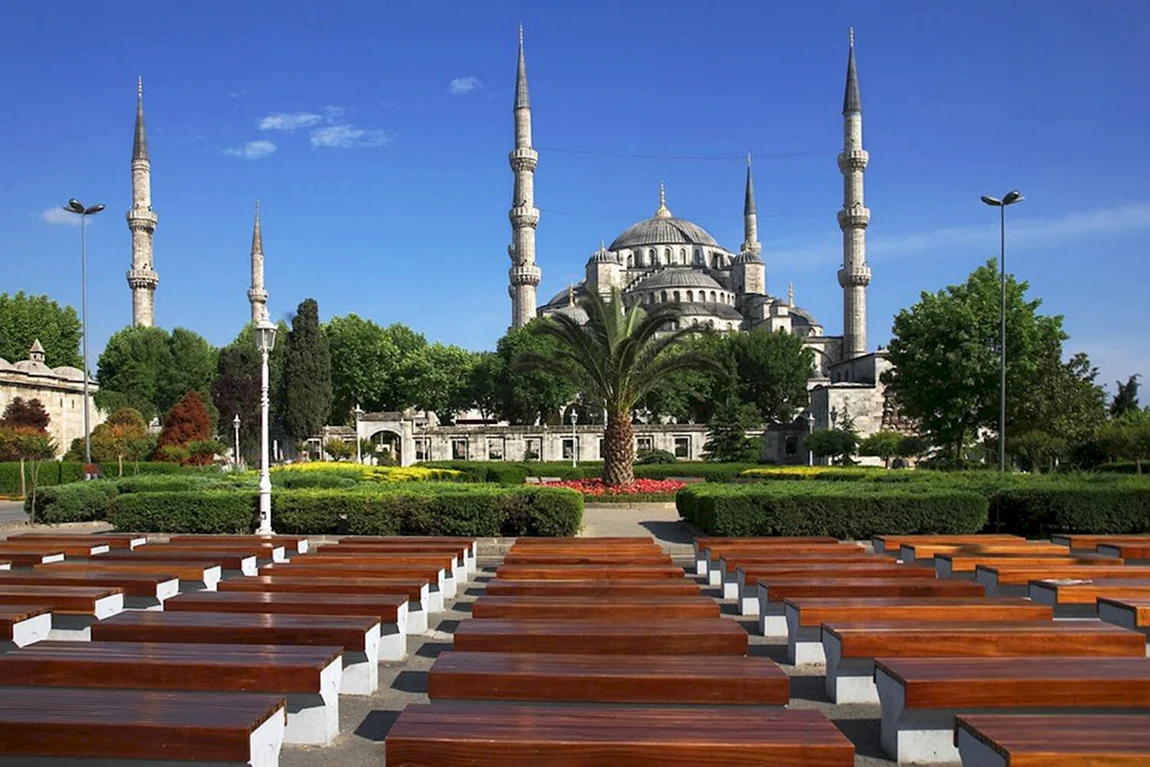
617 358
1126 400
1036 449
773 369
123 435
911 447
307 392
1128 438
24 437
535 394
130 370
727 439
837 444
25 318
236 389
442 376
485 385
945 351
881 444
193 368
338 449
1063 401
690 396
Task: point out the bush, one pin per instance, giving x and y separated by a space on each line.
194 511
645 457
1114 507
853 511
1117 467
300 480
78 502
711 472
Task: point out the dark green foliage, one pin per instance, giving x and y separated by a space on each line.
530 395
1125 401
727 440
76 502
299 480
773 369
837 444
508 472
194 511
648 457
307 393
1099 508
149 370
25 319
63 472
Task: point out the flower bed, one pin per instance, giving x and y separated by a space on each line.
642 490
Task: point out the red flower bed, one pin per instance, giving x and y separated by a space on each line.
595 487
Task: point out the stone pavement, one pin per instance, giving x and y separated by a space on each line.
12 511
658 520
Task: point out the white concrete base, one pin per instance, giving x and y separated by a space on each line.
392 643
804 643
164 590
401 618
6 566
749 599
449 587
434 599
71 628
49 558
469 563
849 680
279 554
32 630
772 618
975 753
361 669
303 546
700 563
313 718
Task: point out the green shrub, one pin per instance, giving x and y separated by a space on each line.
1114 507
75 502
299 480
711 472
814 508
64 472
648 457
1117 467
189 511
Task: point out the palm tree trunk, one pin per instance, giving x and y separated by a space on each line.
618 450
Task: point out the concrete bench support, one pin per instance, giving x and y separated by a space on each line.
849 680
772 618
28 631
804 643
313 718
361 669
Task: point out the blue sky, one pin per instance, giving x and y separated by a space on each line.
389 197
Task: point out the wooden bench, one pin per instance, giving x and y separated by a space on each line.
1008 578
1130 552
297 543
924 553
588 572
22 625
18 557
233 563
44 548
414 590
805 616
590 558
315 567
528 540
701 545
192 576
1090 542
469 543
308 676
707 559
464 562
509 735
921 696
1050 740
454 571
771 591
263 552
594 608
890 544
851 648
74 608
389 610
748 574
964 565
1127 612
111 540
699 636
725 572
668 679
357 635
599 589
141 591
168 729
1078 597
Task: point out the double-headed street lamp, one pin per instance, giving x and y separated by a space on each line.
265 342
1008 199
75 206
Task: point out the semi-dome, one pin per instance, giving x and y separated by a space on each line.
677 278
709 309
663 229
69 373
33 366
5 364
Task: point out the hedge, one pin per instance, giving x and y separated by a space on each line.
849 512
711 472
187 511
63 472
1115 507
516 473
75 502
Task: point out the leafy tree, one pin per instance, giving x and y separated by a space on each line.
1036 448
773 369
366 363
616 359
882 444
24 437
485 384
203 452
188 421
338 449
131 368
236 389
1126 400
837 444
689 396
911 447
123 435
1063 401
25 318
945 351
193 367
1128 438
727 439
25 413
307 391
443 375
532 394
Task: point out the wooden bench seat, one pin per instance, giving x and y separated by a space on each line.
470 543
1090 542
357 635
701 546
69 548
599 589
1127 612
698 636
297 543
590 558
720 679
308 676
1133 553
724 572
707 559
454 571
964 565
748 574
771 592
462 552
447 734
918 552
588 572
166 728
594 608
1008 578
22 625
528 540
192 576
999 740
74 608
805 616
415 590
263 552
389 610
140 590
234 562
17 557
315 567
111 540
1078 597
921 696
890 544
851 648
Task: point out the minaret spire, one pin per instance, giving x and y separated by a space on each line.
142 277
524 274
257 295
855 274
751 242
663 212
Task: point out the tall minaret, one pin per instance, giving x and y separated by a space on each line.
257 296
854 276
751 242
524 215
142 278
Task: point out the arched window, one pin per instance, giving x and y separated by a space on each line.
630 261
713 297
690 296
683 256
651 260
663 297
677 299
667 256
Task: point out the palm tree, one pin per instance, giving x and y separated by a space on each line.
618 357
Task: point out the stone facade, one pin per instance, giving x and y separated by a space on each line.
142 277
60 390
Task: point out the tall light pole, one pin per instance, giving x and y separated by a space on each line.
358 449
1008 199
75 206
810 418
236 454
265 342
574 438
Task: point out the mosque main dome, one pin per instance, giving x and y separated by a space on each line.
663 229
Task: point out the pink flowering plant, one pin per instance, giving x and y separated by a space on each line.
639 490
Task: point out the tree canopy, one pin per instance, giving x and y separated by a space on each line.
307 388
149 369
535 394
25 318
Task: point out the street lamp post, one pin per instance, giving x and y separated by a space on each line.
75 206
265 342
1008 199
574 438
810 430
358 449
236 429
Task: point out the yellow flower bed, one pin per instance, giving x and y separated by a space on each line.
377 473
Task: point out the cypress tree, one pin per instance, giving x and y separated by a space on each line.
307 390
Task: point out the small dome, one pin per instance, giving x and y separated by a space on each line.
677 278
748 257
34 367
69 373
603 256
708 309
564 297
574 312
6 365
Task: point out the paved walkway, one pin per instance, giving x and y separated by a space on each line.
658 520
12 511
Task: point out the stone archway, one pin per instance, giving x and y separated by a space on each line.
390 442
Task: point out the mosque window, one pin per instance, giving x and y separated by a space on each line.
682 447
644 444
699 257
683 256
651 260
459 449
677 299
630 261
663 297
690 296
713 297
667 256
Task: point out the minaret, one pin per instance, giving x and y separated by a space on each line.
751 242
257 296
142 278
854 276
524 215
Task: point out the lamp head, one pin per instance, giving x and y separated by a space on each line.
94 209
358 412
991 200
1012 197
265 336
74 206
236 421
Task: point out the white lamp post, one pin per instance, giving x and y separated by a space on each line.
265 342
236 454
574 437
358 450
75 206
810 431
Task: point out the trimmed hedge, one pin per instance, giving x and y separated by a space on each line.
187 511
516 473
75 502
1114 507
849 512
63 472
711 472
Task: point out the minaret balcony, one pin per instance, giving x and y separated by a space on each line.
143 218
143 278
257 296
525 274
524 215
854 277
853 160
523 158
857 217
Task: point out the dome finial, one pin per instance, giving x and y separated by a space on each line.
851 34
662 212
570 294
139 86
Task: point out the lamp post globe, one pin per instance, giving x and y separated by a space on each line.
574 438
265 343
358 448
236 454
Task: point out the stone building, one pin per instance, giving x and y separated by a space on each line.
60 390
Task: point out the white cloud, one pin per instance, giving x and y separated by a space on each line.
461 85
253 150
289 121
237 94
347 136
59 217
